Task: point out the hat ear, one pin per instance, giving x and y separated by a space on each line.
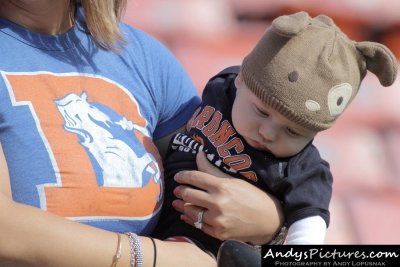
325 20
380 61
290 25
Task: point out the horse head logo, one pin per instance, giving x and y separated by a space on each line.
120 163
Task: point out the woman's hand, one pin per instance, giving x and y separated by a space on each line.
234 209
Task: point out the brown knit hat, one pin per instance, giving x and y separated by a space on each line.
309 71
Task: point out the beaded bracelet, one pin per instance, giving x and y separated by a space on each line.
136 250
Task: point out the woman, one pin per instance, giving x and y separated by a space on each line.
81 100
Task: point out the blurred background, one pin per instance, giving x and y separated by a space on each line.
363 147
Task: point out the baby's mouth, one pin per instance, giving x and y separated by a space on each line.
257 145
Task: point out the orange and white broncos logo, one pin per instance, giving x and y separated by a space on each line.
87 124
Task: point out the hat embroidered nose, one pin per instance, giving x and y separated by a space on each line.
312 105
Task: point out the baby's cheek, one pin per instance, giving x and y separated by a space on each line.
286 148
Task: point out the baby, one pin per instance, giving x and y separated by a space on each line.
257 121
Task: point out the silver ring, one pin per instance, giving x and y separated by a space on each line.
199 223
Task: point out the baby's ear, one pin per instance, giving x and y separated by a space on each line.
380 61
291 25
238 80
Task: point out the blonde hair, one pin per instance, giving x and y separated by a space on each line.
102 18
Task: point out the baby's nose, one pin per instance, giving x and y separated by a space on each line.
268 132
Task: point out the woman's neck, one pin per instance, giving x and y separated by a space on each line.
42 16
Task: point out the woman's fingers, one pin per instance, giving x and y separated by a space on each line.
235 210
192 195
191 216
204 165
190 213
206 178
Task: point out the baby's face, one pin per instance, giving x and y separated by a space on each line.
265 129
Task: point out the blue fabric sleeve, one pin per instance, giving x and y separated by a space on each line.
176 97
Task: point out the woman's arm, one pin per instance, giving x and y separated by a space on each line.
5 187
235 209
32 237
37 238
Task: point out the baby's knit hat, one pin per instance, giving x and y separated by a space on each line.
309 71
